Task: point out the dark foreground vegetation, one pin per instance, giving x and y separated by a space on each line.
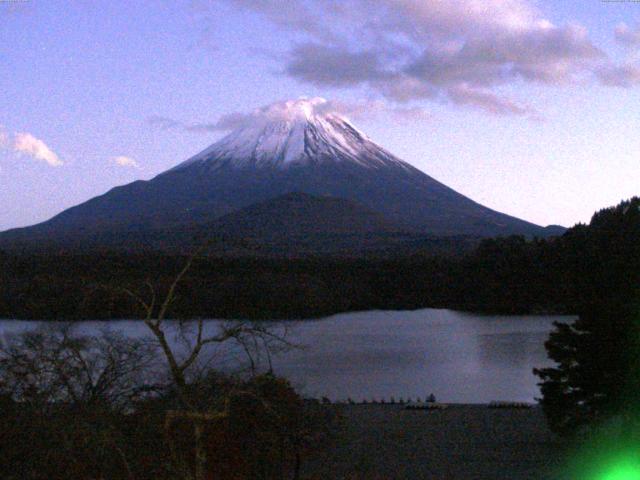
112 407
120 408
591 396
505 275
461 442
598 356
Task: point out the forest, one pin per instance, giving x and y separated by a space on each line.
120 407
510 275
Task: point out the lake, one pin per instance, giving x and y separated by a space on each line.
459 357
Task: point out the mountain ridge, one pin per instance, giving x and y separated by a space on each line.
296 146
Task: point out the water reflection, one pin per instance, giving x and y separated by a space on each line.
460 357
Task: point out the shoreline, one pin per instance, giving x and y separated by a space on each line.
299 319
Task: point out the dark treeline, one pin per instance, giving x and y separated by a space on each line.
74 406
595 378
504 275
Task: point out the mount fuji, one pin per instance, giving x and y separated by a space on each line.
301 146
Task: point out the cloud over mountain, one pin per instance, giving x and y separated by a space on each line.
365 109
624 76
223 124
302 146
461 52
627 36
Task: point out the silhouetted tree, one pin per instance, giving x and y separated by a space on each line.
64 396
255 339
597 373
598 356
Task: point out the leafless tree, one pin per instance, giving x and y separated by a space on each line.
54 364
257 340
55 372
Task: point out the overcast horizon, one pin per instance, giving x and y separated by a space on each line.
524 106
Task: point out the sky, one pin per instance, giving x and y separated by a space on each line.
529 107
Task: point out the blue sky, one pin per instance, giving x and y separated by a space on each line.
529 107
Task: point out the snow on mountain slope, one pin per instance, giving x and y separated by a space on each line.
301 146
294 132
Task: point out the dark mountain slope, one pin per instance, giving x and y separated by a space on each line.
296 215
289 147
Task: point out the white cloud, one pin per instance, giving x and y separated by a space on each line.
624 76
404 89
485 100
223 124
627 36
123 161
367 109
4 137
353 110
27 144
459 51
337 66
164 123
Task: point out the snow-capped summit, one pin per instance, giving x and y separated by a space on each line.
307 130
303 146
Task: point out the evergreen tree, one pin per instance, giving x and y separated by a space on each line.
597 372
598 356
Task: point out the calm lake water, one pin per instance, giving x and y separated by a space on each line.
458 357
